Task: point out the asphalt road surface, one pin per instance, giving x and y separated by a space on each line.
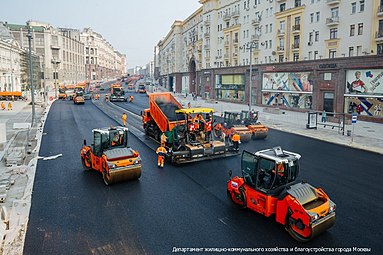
73 212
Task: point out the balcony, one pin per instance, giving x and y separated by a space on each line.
296 28
255 22
226 56
207 22
235 55
235 41
281 32
227 43
280 49
333 21
207 46
379 36
218 57
235 14
333 2
295 46
280 1
226 16
380 11
206 34
255 37
55 47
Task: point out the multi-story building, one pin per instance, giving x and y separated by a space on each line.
102 61
10 56
60 50
305 54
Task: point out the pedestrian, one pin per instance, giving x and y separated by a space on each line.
2 106
189 105
324 115
236 140
9 106
124 118
161 152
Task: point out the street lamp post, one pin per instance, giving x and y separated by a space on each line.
250 46
56 63
30 37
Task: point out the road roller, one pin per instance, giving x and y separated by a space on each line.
111 155
269 186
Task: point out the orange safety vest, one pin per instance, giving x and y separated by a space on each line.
236 138
192 127
161 150
208 126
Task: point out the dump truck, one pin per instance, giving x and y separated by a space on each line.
233 124
269 186
188 138
117 93
111 155
62 92
8 95
257 129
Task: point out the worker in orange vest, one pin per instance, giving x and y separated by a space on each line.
124 117
2 106
9 106
163 139
161 152
236 140
208 128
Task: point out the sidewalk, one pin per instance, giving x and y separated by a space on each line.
367 135
18 160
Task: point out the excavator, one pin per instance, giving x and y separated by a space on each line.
269 186
111 155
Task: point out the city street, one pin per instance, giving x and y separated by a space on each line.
74 212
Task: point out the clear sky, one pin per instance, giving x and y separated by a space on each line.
132 27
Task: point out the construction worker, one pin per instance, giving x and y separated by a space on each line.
2 106
124 117
236 140
161 152
9 106
208 128
116 140
163 140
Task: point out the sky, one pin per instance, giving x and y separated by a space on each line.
132 27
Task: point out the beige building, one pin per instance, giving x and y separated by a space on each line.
102 61
60 50
305 54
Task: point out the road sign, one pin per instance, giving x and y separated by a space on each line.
354 118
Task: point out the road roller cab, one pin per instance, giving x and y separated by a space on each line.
111 155
268 186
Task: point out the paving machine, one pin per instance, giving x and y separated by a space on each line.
111 155
232 123
250 119
268 186
117 93
187 131
78 97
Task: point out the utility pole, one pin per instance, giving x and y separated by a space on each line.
250 46
30 37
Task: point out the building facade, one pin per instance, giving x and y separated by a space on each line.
304 54
102 61
60 50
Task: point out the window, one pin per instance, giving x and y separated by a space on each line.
282 7
352 30
358 50
335 12
360 28
310 54
311 17
267 28
282 26
271 28
298 3
270 43
316 36
351 51
296 56
333 33
317 16
315 54
332 53
310 36
280 58
361 6
353 8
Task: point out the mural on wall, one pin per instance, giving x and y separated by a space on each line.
367 81
287 82
362 85
284 89
370 106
